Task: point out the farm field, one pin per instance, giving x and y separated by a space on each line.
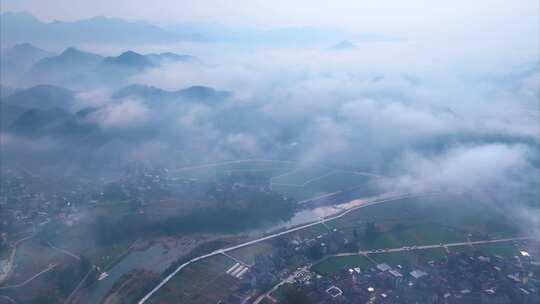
415 234
459 214
334 264
506 250
301 187
201 282
299 182
417 258
302 176
259 169
248 254
279 294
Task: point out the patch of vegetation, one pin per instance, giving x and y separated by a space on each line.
335 264
202 282
232 211
295 296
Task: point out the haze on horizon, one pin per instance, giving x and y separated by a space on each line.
415 18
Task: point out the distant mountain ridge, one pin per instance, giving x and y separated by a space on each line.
32 108
71 58
42 109
25 54
171 57
21 27
16 60
200 94
41 96
128 58
78 69
343 45
69 68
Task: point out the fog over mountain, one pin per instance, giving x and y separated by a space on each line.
78 69
92 99
14 61
344 108
23 27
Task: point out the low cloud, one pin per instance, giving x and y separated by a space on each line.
243 143
486 167
124 114
91 99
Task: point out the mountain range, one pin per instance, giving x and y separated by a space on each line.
25 54
77 69
17 27
36 110
19 58
199 94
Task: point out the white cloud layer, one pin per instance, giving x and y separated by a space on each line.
126 113
460 168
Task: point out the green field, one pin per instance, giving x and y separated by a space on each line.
335 264
201 282
248 254
432 219
311 232
417 257
260 169
300 176
502 249
416 234
423 221
286 178
324 184
279 294
266 301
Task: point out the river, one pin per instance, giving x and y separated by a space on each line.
155 258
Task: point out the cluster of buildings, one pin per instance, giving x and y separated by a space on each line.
31 202
468 276
237 270
28 202
459 278
138 184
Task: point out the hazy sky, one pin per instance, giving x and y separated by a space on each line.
412 17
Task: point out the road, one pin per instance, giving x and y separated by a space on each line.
51 267
64 251
8 299
4 273
210 165
412 248
267 294
72 294
289 279
306 182
275 235
326 195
